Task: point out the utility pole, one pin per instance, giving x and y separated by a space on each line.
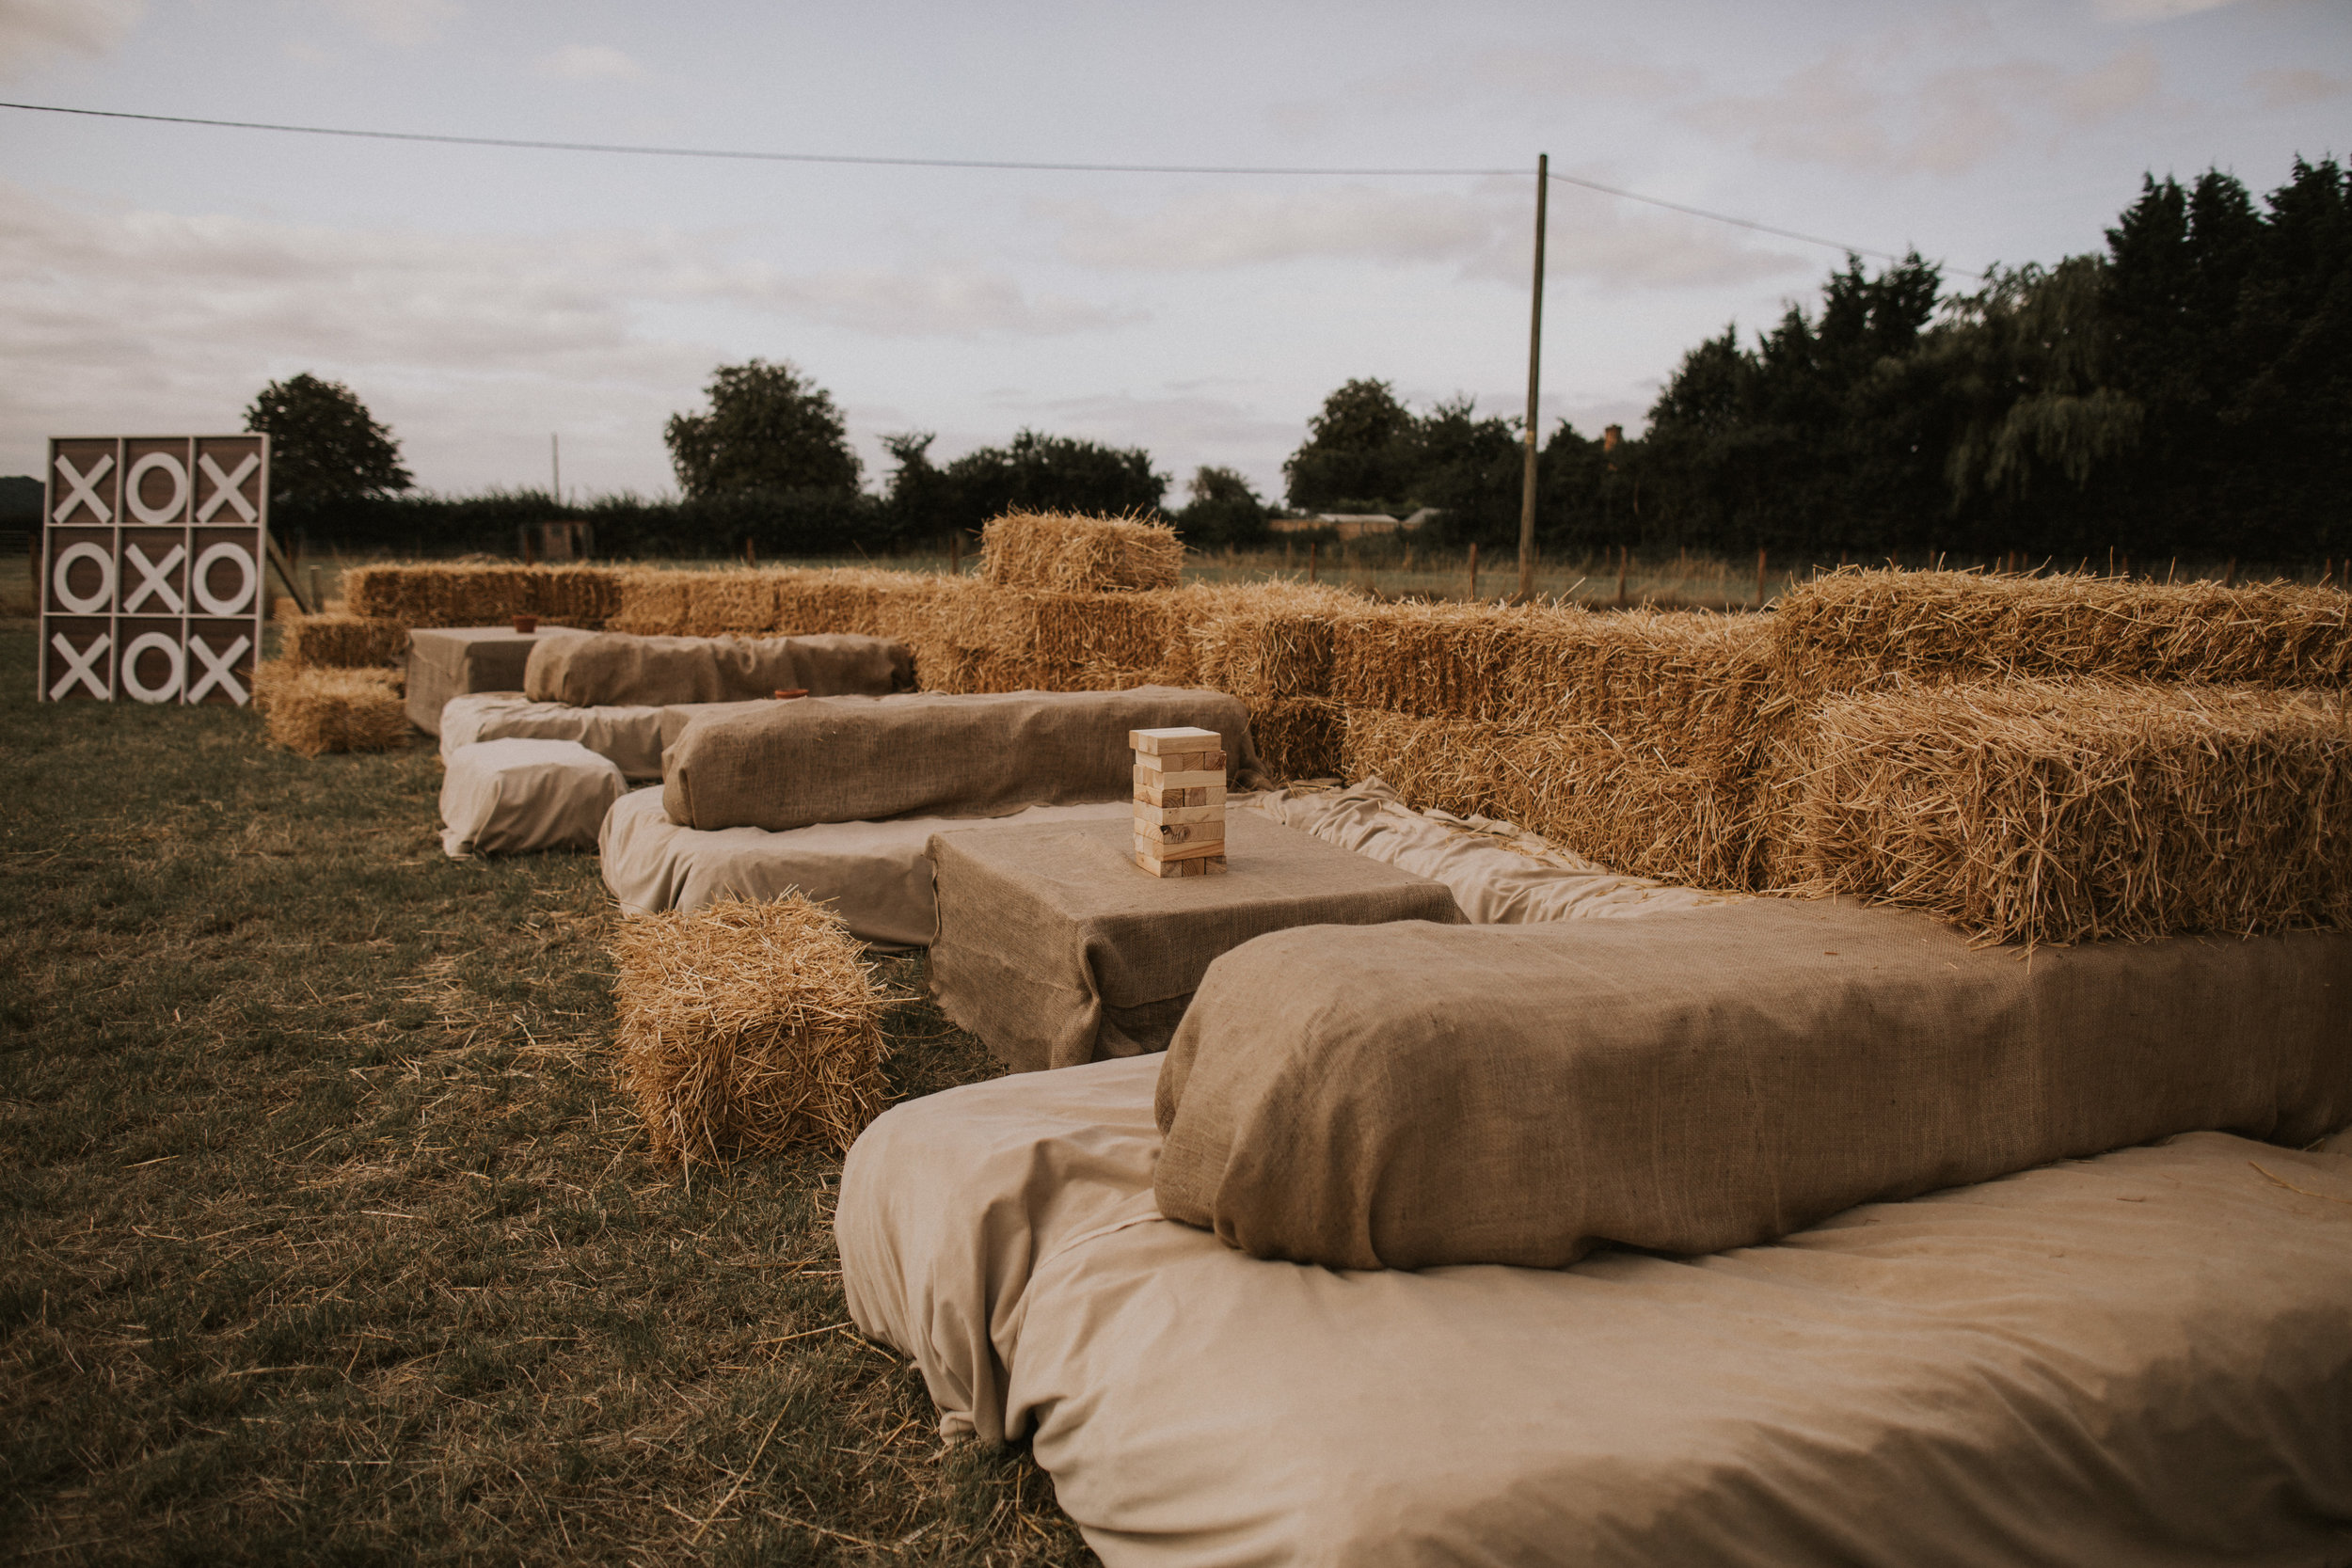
1535 372
555 469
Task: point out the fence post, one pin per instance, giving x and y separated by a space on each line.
1473 572
1311 546
1759 579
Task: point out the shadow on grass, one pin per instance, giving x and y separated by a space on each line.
327 1238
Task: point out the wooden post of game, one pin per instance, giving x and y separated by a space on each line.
1179 802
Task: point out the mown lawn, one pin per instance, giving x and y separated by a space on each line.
327 1238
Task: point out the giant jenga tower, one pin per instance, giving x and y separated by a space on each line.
1179 802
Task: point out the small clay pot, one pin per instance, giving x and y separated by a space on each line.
525 624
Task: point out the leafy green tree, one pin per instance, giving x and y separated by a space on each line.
1359 450
1223 510
1049 473
767 428
325 449
1471 469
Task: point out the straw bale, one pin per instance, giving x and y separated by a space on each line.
342 642
2058 812
652 603
1270 640
1061 553
317 710
1298 737
1696 688
442 594
1619 805
1847 630
747 1028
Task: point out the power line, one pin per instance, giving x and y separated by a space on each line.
869 161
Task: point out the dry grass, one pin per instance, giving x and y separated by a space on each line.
1693 689
341 641
747 1028
314 711
1850 629
1614 803
469 595
1298 737
2046 811
1063 554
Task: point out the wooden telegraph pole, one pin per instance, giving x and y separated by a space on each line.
1535 372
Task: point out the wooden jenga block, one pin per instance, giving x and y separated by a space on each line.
1179 852
1153 743
1183 762
1174 833
1211 865
1211 795
1151 778
1159 868
1160 817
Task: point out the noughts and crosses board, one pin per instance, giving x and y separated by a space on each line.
153 554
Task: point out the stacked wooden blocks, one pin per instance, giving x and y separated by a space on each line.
1179 802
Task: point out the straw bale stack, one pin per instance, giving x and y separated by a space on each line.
2054 812
1270 640
1848 631
342 642
1065 554
313 712
1298 737
1695 688
1617 803
468 594
747 1028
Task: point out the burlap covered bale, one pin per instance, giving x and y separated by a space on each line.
313 712
1271 640
342 642
465 594
593 668
1692 687
2046 811
747 1028
1849 629
1617 804
1066 554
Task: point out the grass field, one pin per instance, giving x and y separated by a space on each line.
328 1239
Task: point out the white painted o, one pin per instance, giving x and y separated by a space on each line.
170 646
170 511
61 574
200 579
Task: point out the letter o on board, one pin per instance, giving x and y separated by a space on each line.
168 646
200 579
172 510
62 578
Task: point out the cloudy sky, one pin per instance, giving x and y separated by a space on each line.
153 277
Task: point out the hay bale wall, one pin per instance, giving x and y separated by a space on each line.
2061 811
747 1028
342 642
1849 629
465 594
316 710
1064 554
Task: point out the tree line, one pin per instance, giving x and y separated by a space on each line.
2185 392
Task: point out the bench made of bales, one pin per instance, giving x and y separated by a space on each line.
1066 554
2047 812
747 1029
313 712
342 642
461 593
1852 629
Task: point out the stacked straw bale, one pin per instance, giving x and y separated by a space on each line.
1271 640
747 1028
312 711
1615 803
465 595
1065 554
1850 630
342 642
2059 812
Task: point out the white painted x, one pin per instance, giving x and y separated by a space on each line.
228 487
79 667
83 487
219 669
154 578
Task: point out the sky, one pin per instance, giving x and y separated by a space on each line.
153 277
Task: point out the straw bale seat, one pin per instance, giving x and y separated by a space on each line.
451 661
313 712
466 594
342 642
747 1029
1079 555
509 797
631 737
618 669
2145 1356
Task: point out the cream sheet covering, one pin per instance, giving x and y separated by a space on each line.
505 797
874 873
2143 1358
1499 874
632 737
